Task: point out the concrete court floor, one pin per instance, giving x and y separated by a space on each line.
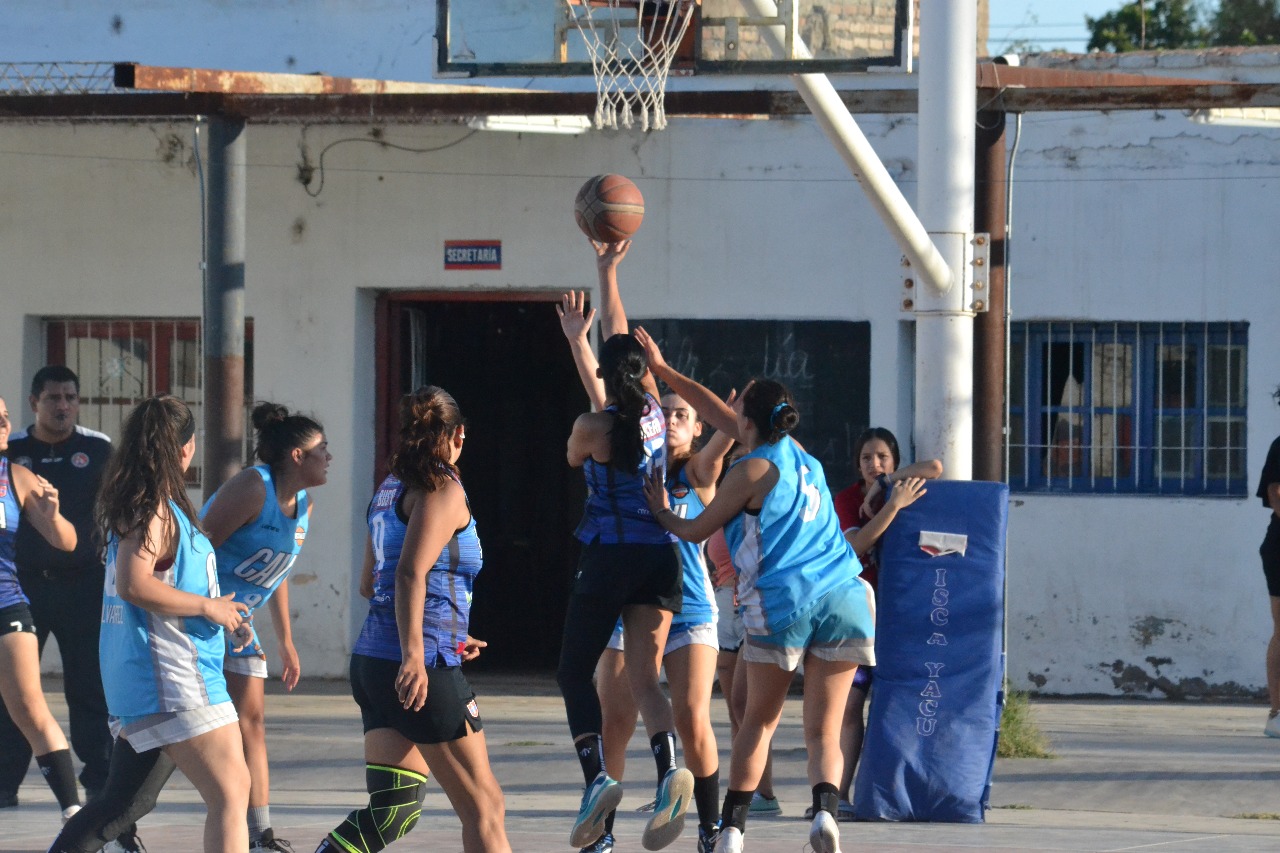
1129 775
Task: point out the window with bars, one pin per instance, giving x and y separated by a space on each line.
1139 408
121 361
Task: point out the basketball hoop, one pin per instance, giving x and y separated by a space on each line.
633 45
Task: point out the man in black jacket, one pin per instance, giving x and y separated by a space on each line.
65 588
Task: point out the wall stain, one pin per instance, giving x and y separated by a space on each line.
1135 680
1149 628
298 230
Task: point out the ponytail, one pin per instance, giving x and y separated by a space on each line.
623 365
280 433
768 405
429 418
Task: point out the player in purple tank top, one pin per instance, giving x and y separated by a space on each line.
32 500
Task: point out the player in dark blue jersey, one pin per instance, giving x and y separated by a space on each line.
690 652
257 522
26 498
629 567
418 710
798 587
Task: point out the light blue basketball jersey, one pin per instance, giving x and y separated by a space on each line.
616 511
153 663
256 558
792 553
10 516
699 595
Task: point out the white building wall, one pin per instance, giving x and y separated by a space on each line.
1126 217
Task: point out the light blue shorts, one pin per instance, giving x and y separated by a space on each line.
685 634
839 627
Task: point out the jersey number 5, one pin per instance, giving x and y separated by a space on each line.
812 495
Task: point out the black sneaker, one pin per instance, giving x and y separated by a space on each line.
268 841
127 843
604 844
707 838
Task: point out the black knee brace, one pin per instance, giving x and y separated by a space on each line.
395 802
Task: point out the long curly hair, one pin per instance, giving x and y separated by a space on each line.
145 471
769 406
623 364
429 417
279 433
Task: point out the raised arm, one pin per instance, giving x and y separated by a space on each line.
704 467
745 486
575 322
709 407
613 317
40 506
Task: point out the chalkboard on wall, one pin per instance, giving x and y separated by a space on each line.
825 364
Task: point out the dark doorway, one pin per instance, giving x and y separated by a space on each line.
506 362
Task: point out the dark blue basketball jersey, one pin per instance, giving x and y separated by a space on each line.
616 510
10 514
447 611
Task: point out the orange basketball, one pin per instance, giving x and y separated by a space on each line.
609 208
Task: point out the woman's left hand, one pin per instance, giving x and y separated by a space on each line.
292 666
471 648
411 684
655 492
45 500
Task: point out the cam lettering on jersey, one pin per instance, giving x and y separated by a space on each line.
265 567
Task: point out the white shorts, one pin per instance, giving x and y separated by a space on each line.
253 667
156 730
688 634
729 629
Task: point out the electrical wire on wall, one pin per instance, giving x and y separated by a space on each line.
305 170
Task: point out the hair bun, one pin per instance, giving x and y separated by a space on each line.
265 414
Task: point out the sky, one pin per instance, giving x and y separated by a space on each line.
1046 24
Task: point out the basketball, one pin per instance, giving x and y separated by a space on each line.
609 208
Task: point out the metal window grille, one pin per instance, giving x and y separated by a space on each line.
1144 408
122 360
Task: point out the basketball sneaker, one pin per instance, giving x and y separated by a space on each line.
604 844
824 834
674 794
707 838
125 844
762 806
1272 728
730 840
268 842
601 797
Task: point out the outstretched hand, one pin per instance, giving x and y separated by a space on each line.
907 492
655 492
608 255
651 351
575 319
471 648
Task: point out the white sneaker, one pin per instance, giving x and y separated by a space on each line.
824 834
1272 728
730 840
68 813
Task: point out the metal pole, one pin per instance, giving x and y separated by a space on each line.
224 304
989 335
944 321
852 145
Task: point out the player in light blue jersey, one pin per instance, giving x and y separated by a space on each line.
28 499
418 711
162 643
257 522
798 587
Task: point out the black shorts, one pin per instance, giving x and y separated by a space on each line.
450 713
16 619
1270 552
631 574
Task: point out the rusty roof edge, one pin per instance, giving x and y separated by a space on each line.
157 78
994 75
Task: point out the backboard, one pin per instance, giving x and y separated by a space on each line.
538 38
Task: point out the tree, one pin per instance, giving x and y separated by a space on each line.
1155 25
1246 22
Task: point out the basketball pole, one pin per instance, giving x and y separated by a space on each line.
938 246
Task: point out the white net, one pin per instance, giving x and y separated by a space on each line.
632 45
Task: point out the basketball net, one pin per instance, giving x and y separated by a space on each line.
632 44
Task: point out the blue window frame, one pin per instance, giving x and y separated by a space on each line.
1137 408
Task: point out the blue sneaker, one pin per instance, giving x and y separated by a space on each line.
604 844
601 797
707 838
675 792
